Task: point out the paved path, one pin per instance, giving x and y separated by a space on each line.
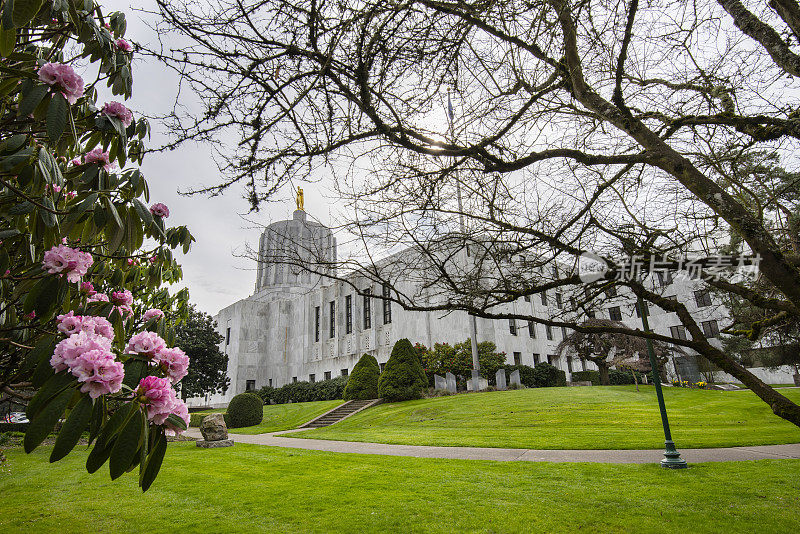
641 456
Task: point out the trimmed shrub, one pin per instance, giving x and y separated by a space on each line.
403 377
587 376
526 375
363 383
620 377
245 409
305 391
545 375
561 381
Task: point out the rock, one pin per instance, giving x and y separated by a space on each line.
500 380
215 444
439 382
214 428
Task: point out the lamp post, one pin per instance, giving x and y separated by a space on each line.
672 458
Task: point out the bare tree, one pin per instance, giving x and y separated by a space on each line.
609 126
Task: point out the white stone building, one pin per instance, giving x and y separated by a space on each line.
297 326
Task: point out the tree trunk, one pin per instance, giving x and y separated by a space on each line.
635 381
604 380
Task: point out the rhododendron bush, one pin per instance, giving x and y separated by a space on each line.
87 322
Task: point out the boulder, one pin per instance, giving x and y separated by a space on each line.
213 427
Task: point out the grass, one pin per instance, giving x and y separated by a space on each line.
249 488
285 416
614 417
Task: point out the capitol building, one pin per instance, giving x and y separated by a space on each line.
303 326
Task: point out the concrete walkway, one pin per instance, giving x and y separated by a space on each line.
640 456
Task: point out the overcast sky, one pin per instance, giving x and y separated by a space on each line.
215 277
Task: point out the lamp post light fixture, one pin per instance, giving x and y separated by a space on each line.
672 458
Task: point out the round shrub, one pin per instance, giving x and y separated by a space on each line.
403 377
245 409
363 382
545 375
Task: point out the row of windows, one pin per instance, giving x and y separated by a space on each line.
250 385
512 328
702 299
348 314
710 329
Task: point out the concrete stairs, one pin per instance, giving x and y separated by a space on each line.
342 411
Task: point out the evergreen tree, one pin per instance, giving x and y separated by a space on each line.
199 339
403 377
363 382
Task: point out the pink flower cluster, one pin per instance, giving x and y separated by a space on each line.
159 210
70 324
94 296
63 260
89 358
123 45
161 401
98 156
88 288
65 78
115 109
172 361
153 313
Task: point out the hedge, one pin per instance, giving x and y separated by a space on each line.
244 410
546 375
305 391
617 377
587 376
363 383
526 375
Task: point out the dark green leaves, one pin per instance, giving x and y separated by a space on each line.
24 11
73 427
31 99
127 445
46 420
57 116
152 463
8 39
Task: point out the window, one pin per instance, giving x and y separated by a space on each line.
583 365
228 336
532 329
710 328
559 304
250 385
535 359
664 278
327 375
549 331
316 323
512 326
387 306
270 382
544 298
527 298
332 332
590 314
678 332
312 378
611 291
645 307
367 309
672 297
563 332
552 359
614 313
569 363
702 298
348 314
345 372
517 358
294 379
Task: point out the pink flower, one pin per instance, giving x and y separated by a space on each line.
68 350
71 194
29 316
98 297
99 372
98 156
180 409
174 362
64 77
115 109
88 288
123 45
132 261
153 259
153 313
122 298
69 323
159 210
145 344
76 162
158 396
64 260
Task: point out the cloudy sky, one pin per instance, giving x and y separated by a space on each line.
212 272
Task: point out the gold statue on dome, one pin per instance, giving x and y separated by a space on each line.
300 199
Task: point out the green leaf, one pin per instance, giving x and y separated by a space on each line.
24 11
31 100
41 352
176 421
152 464
98 456
115 422
143 212
134 371
128 442
48 217
46 420
5 234
47 297
73 427
13 143
21 208
8 15
8 38
57 115
50 389
98 415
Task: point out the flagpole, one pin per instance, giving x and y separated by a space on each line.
473 330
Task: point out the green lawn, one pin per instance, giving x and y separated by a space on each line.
286 416
250 488
614 417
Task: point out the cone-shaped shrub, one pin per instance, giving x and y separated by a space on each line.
403 377
363 382
245 409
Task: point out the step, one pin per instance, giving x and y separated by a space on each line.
337 414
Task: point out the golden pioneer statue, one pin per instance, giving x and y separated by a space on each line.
300 199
